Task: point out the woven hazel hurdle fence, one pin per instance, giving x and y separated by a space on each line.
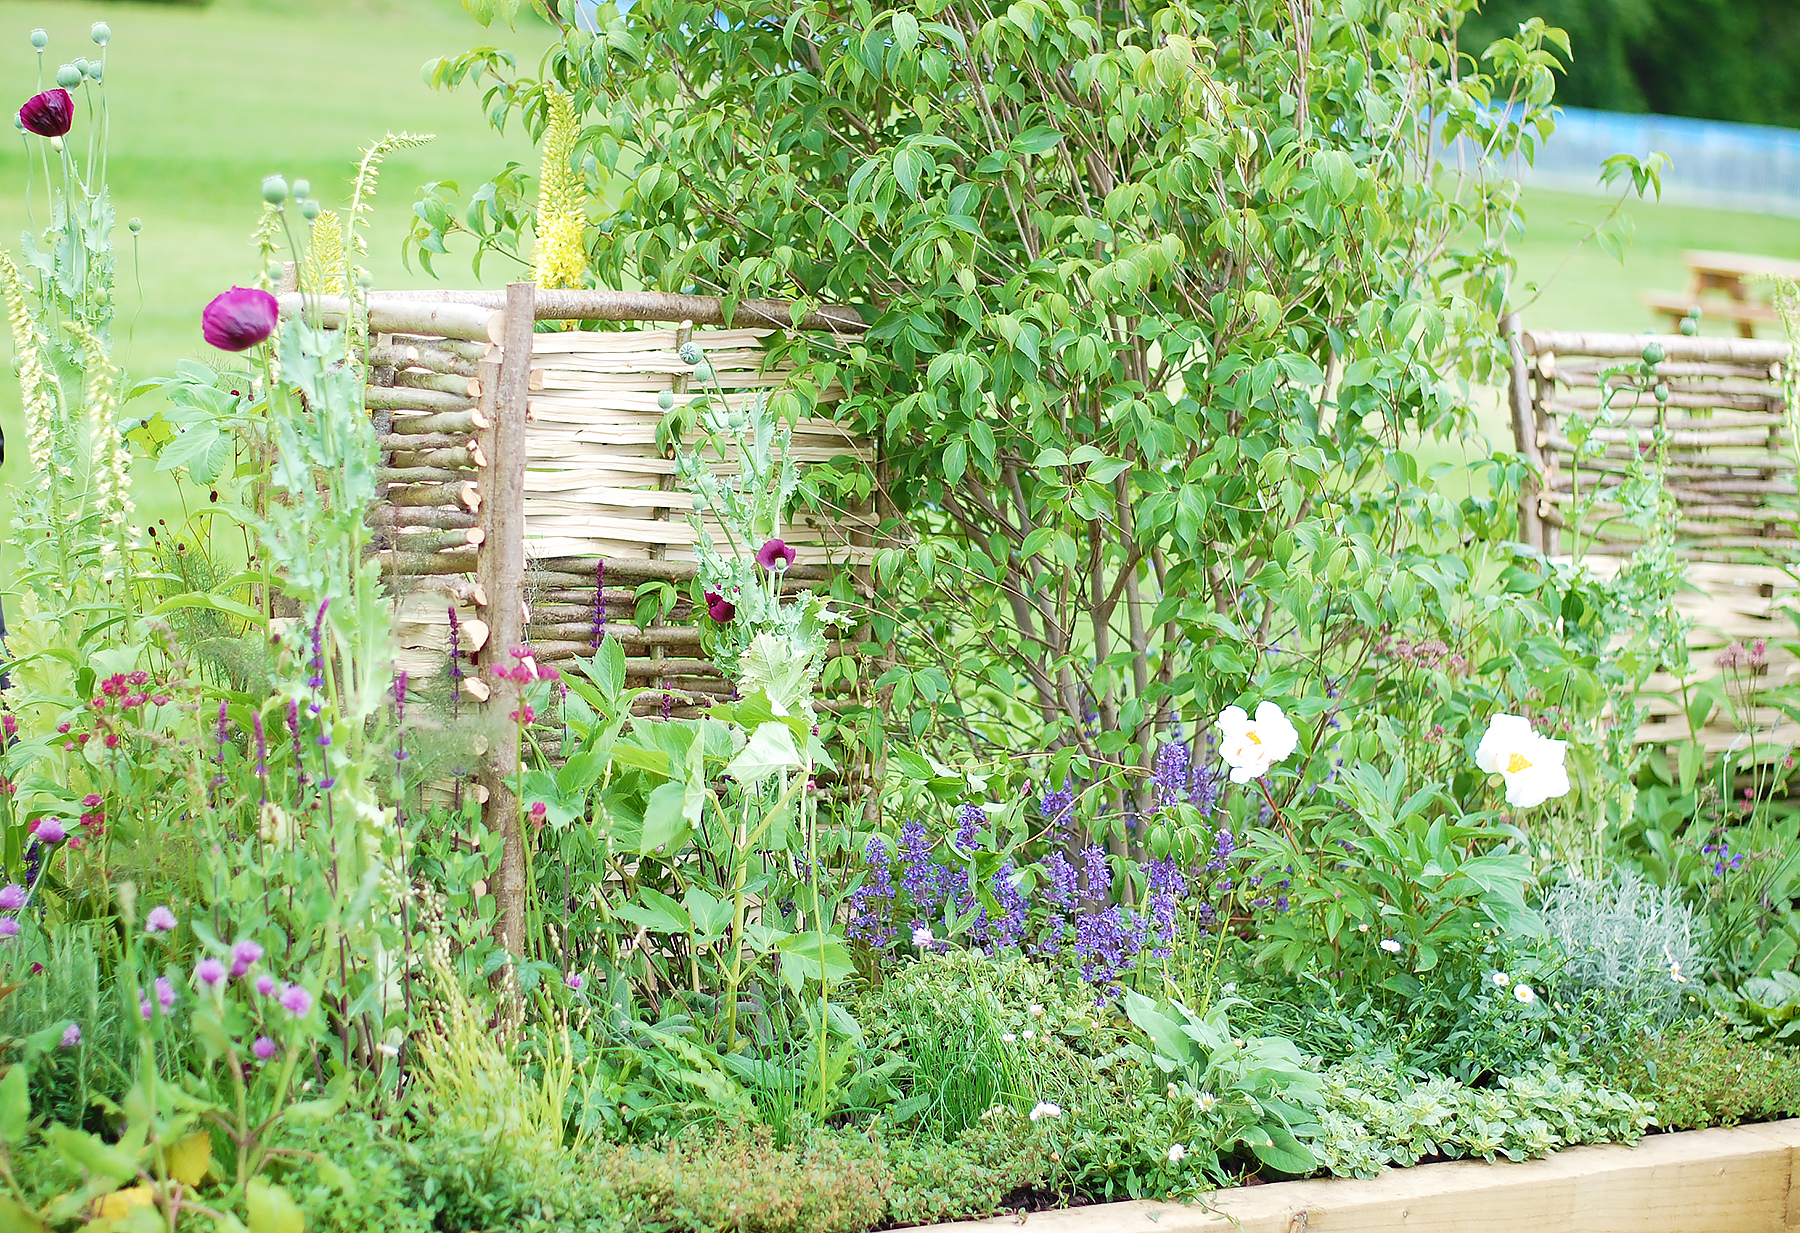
525 496
1732 470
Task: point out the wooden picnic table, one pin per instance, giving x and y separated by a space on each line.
1734 275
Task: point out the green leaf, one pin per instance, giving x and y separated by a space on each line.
15 1105
1284 1153
271 1210
665 819
87 1152
770 749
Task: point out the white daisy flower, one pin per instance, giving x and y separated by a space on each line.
1006 1038
1501 978
1177 1153
1035 1010
1044 1109
1390 946
1206 1102
1524 993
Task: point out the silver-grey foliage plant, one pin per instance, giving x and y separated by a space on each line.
1625 940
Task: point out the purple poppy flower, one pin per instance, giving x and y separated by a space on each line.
775 556
71 1036
50 114
238 319
51 830
264 1048
210 970
12 897
719 608
9 925
160 920
296 1000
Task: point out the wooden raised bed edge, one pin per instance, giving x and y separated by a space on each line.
1745 1179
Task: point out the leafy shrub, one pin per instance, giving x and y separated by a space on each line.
1375 1117
739 1180
371 1182
1704 1074
1624 943
59 982
1763 1008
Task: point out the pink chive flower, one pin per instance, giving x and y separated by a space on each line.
775 556
296 1001
160 920
165 992
265 985
244 956
12 897
264 1048
210 970
9 926
51 830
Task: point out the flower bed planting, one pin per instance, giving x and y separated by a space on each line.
1192 792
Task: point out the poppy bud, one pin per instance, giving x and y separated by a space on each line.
101 34
50 114
81 65
1654 353
691 353
309 209
239 319
275 190
95 71
40 39
68 75
135 225
301 189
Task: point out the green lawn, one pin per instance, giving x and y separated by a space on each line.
206 102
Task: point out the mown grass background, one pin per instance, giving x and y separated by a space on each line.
207 101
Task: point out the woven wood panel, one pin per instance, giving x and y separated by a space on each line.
600 507
1732 471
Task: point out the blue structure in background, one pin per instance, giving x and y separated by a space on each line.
1752 167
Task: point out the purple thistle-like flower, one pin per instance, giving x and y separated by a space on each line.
296 1000
210 970
1064 886
919 876
9 926
264 1048
160 920
51 831
970 819
165 992
238 319
265 985
50 114
71 1036
775 556
13 897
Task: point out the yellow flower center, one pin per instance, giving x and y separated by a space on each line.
1518 762
1254 739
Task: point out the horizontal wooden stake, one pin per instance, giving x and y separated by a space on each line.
461 491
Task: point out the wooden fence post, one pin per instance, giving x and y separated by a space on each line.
1532 528
501 570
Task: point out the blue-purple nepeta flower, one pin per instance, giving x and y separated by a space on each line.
1058 807
1224 844
871 904
1107 943
970 819
1171 772
1063 884
919 875
1097 873
1010 928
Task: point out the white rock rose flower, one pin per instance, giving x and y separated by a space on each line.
1251 746
1532 765
1044 1109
